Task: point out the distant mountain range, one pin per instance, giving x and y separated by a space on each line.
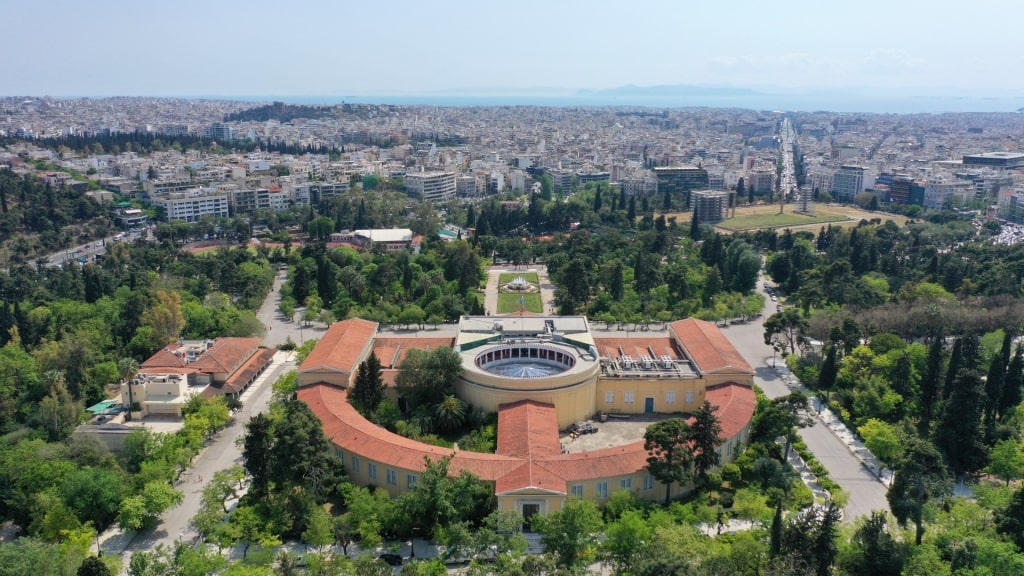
889 100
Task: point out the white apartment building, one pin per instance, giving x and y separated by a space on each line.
192 205
433 187
940 195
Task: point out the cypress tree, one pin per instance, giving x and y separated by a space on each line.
1012 383
930 385
695 227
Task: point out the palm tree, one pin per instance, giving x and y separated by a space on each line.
450 413
127 368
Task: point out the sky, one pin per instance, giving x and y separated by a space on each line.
68 48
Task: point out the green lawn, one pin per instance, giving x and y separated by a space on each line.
528 276
756 221
510 303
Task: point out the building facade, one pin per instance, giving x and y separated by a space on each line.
679 181
540 374
847 182
192 205
435 187
710 206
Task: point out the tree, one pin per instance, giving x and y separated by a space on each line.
695 227
93 566
319 529
959 433
881 439
368 390
143 510
425 378
1010 520
624 541
257 452
245 527
571 533
671 455
785 330
873 551
781 418
1007 460
705 439
920 475
58 414
931 385
1013 383
126 369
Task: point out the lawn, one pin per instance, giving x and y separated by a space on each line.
510 303
776 220
530 277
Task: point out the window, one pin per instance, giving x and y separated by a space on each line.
670 397
602 489
629 397
340 454
410 480
371 469
648 482
391 477
355 464
576 490
626 483
689 396
609 397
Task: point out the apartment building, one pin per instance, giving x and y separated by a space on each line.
193 204
679 181
436 187
710 206
847 182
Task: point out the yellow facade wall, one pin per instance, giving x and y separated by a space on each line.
571 404
629 395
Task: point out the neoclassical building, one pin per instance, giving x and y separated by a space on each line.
540 374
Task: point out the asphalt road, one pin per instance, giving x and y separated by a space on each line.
221 453
866 492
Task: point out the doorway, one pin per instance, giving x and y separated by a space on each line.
648 405
529 511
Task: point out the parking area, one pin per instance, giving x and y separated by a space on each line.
613 432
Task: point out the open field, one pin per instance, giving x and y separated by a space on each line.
508 303
767 216
530 277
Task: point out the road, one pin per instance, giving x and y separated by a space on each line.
221 453
90 250
865 491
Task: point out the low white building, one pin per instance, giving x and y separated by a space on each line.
191 205
436 187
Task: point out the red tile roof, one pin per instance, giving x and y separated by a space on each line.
708 347
339 348
226 355
241 378
530 475
164 358
528 427
736 404
350 431
392 350
516 466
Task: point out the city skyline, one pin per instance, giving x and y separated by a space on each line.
528 49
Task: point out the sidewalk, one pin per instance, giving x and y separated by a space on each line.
838 428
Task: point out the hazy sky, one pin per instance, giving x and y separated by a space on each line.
345 47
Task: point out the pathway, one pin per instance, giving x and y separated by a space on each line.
547 289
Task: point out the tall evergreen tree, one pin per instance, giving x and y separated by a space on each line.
994 389
955 362
695 227
1012 383
368 390
829 371
959 433
930 385
705 438
666 204
631 211
920 475
671 456
750 193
